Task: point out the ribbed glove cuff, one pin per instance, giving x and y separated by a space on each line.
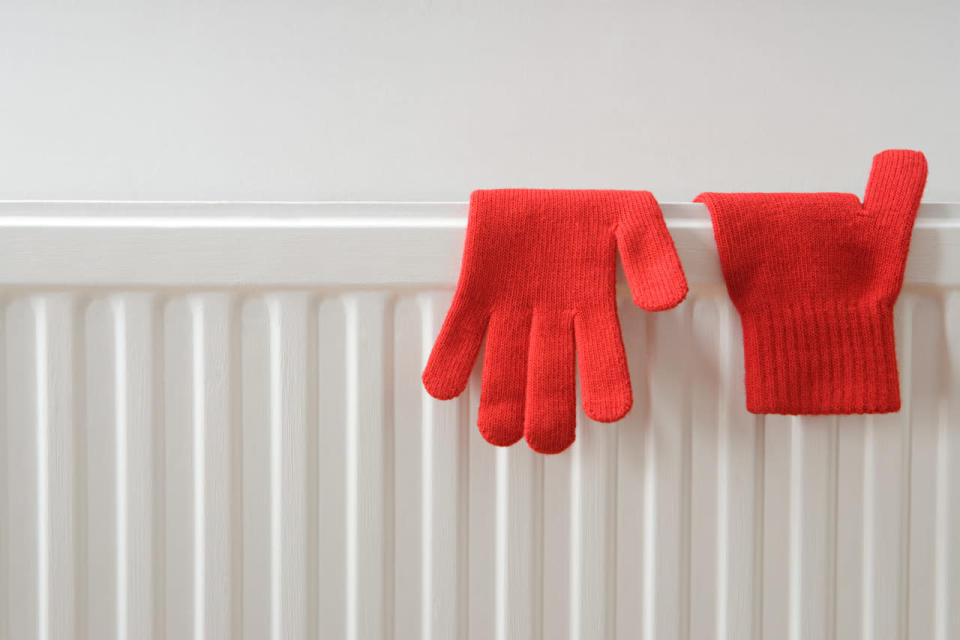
820 358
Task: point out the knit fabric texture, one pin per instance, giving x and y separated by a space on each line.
538 277
815 277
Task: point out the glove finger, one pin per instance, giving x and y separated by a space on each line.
451 360
500 416
895 185
604 378
550 417
649 257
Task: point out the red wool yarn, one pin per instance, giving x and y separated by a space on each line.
539 279
814 277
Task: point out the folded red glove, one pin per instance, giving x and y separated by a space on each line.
539 278
814 277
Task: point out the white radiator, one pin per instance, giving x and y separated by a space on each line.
213 427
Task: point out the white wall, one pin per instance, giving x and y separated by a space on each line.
297 101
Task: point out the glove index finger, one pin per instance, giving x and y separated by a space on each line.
451 360
604 378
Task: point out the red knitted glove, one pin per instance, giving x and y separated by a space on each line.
814 277
539 277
